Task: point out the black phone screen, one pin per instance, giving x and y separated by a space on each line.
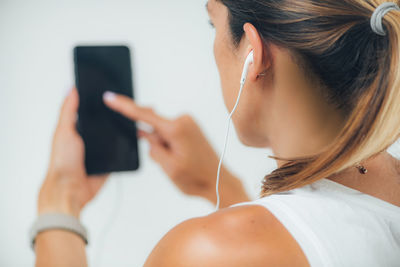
110 139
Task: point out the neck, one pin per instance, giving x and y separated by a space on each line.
308 126
303 122
382 179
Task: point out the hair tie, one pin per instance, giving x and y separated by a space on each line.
379 13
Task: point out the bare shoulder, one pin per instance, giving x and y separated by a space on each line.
239 236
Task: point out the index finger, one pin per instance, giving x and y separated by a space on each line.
127 107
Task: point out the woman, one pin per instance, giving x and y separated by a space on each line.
322 93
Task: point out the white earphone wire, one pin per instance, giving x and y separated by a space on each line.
225 145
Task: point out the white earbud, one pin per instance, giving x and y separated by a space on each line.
249 60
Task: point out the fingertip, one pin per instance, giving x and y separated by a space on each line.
109 96
74 95
74 92
71 94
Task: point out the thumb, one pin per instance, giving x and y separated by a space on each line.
69 109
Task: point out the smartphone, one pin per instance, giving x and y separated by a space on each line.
111 141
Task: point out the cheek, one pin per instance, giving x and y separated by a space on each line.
248 122
218 54
226 64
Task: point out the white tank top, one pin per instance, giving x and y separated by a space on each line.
338 226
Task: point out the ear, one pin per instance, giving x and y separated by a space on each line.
261 60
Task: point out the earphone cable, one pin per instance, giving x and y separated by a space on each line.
225 145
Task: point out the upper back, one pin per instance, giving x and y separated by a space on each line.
338 226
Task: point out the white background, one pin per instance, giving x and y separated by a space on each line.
174 72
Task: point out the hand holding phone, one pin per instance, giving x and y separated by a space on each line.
67 187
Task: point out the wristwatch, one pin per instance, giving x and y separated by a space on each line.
57 221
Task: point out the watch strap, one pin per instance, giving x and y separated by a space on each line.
57 221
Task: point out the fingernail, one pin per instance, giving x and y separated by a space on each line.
144 127
109 96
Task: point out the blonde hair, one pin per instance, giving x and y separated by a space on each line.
359 68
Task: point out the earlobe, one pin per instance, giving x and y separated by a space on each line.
262 74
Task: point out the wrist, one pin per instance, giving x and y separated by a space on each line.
57 197
52 207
